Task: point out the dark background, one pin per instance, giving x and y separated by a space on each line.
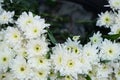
67 17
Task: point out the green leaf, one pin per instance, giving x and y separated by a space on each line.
105 61
51 37
112 37
88 77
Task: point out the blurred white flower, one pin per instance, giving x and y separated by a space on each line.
114 4
115 29
6 17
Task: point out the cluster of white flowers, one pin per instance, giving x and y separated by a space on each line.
96 59
24 50
111 19
23 47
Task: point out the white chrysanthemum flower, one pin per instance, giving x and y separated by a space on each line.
73 46
91 52
13 36
39 62
20 68
6 17
85 65
70 65
5 59
114 4
96 38
41 74
109 50
104 70
105 19
58 57
25 20
37 47
35 30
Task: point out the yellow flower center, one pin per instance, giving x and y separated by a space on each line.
41 73
22 69
37 48
68 78
4 59
59 60
110 52
28 21
70 63
35 30
4 17
73 49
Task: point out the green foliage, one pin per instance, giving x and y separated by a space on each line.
112 37
20 6
51 37
88 77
